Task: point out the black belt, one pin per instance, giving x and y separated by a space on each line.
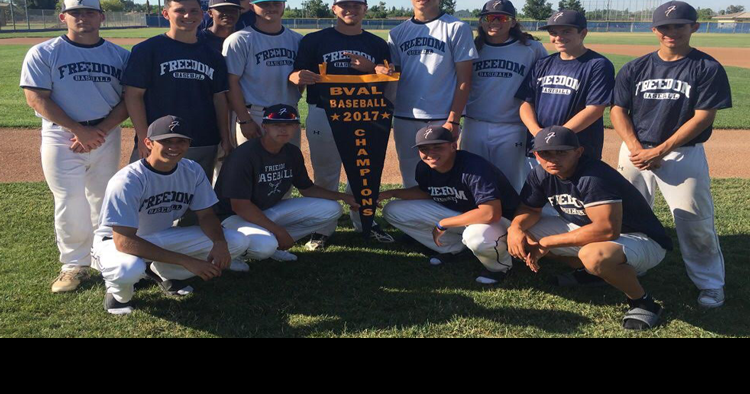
651 145
106 239
94 122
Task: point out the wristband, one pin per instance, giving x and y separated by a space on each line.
456 123
241 123
439 227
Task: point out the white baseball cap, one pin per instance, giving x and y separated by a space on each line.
70 5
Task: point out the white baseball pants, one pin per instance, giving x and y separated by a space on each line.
685 183
405 135
418 218
78 183
299 216
326 160
502 144
122 271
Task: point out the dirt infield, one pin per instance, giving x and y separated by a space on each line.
21 158
738 57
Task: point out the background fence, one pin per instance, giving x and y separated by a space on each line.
20 20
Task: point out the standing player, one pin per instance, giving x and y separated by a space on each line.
571 88
175 74
435 53
348 50
246 19
493 127
224 14
605 228
260 59
73 84
461 201
253 183
142 202
665 106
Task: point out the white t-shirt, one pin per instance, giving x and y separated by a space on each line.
264 62
140 197
497 75
84 79
427 54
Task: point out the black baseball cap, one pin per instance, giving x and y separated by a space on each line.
556 138
503 7
566 18
433 135
281 113
675 13
168 127
349 1
224 3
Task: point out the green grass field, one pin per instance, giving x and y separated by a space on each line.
356 290
17 114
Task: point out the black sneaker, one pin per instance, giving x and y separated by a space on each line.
113 307
377 234
491 278
174 288
579 278
449 258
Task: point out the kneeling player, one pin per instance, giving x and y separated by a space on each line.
461 201
605 228
141 204
254 180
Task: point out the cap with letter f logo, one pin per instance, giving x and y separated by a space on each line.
556 138
70 5
675 13
168 127
434 135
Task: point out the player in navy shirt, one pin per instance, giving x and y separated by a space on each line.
175 74
571 88
605 228
246 19
462 200
224 14
665 106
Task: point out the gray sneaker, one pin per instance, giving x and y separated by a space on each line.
713 298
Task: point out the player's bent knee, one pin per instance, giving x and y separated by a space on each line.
394 211
128 271
599 258
330 209
261 247
237 242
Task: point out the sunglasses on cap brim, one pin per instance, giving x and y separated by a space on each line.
497 17
288 116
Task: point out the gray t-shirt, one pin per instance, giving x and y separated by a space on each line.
264 62
497 75
84 79
252 173
141 197
427 54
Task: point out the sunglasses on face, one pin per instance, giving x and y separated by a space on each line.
499 18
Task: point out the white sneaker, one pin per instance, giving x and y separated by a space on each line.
239 266
283 256
713 298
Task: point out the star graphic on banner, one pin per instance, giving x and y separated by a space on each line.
335 117
386 115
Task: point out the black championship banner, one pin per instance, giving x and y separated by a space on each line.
360 117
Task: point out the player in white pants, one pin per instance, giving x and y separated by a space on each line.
665 106
461 201
435 52
255 179
73 84
493 128
142 202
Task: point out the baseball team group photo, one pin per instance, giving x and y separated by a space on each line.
520 170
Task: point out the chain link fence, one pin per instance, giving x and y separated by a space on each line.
17 18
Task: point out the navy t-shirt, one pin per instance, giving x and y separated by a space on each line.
471 182
560 89
594 183
180 80
212 40
662 96
329 46
252 173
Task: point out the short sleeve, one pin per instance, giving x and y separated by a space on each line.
527 91
138 71
624 88
237 179
422 177
541 51
714 91
532 194
36 72
393 48
483 186
385 52
601 84
306 56
235 53
596 191
301 179
463 44
122 202
221 78
204 197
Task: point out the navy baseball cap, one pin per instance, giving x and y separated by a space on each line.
168 127
281 113
70 5
265 1
675 13
224 3
556 138
503 7
434 135
566 18
349 1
